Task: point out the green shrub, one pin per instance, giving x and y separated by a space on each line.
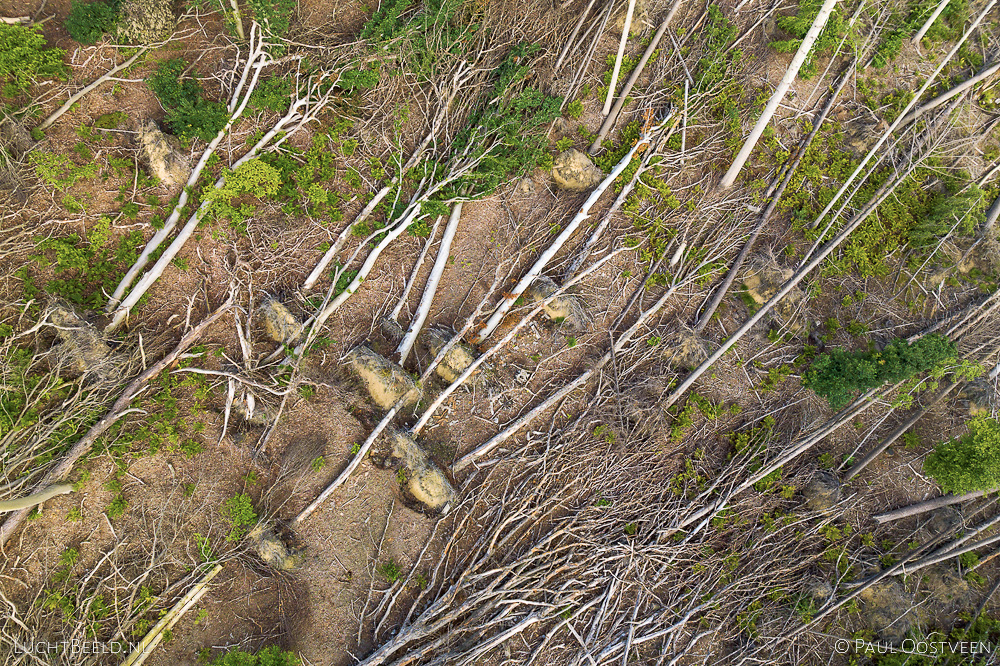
238 512
188 113
269 656
963 212
798 25
888 49
272 94
274 15
968 463
384 23
840 375
87 269
87 22
24 58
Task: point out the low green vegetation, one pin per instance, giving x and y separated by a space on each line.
306 177
390 571
916 216
189 114
166 426
274 15
978 632
239 513
253 177
968 463
25 59
87 22
84 270
840 375
269 656
948 26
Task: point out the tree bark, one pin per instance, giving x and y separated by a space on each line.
618 60
927 505
929 22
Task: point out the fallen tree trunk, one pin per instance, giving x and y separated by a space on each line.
74 98
926 505
424 308
884 192
929 22
779 94
897 433
258 54
957 90
618 59
584 214
167 622
723 289
612 117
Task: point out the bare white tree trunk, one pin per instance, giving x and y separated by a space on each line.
945 96
167 622
630 82
577 220
431 287
237 19
394 315
779 93
930 21
618 60
258 54
328 256
459 78
45 124
807 267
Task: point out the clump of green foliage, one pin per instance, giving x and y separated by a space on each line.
514 125
24 58
390 571
968 463
888 48
719 33
916 215
269 656
384 23
188 113
86 269
963 212
949 24
271 94
798 24
435 35
239 513
840 375
58 170
305 176
254 177
274 15
164 426
89 21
